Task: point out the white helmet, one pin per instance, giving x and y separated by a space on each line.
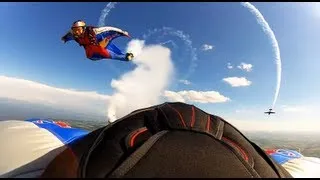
78 23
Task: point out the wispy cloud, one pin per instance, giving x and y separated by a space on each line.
196 96
291 108
243 111
245 67
184 81
34 92
229 66
237 81
207 47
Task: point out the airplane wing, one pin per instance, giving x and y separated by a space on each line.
269 112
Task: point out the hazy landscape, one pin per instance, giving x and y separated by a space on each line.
306 143
16 109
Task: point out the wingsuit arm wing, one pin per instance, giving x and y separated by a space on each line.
109 33
67 37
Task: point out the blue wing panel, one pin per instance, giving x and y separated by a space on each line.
282 156
65 134
111 35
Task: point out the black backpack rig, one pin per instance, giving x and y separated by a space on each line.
170 140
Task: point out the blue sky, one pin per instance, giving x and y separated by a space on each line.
31 49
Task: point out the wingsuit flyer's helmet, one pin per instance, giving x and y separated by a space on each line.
78 27
78 23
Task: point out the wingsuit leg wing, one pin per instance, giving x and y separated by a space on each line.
116 53
95 53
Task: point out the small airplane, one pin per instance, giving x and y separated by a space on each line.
270 112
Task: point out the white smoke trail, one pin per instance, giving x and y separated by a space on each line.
184 37
266 28
144 85
170 42
102 21
105 13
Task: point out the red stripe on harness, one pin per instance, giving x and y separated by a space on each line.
134 136
244 155
208 123
193 117
181 118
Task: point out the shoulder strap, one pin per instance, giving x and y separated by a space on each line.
133 159
91 35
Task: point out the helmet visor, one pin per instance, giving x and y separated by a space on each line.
77 30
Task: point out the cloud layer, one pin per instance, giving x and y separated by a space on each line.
144 86
272 125
292 118
34 92
291 109
237 81
301 117
195 96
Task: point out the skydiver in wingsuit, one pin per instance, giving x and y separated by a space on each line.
97 41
